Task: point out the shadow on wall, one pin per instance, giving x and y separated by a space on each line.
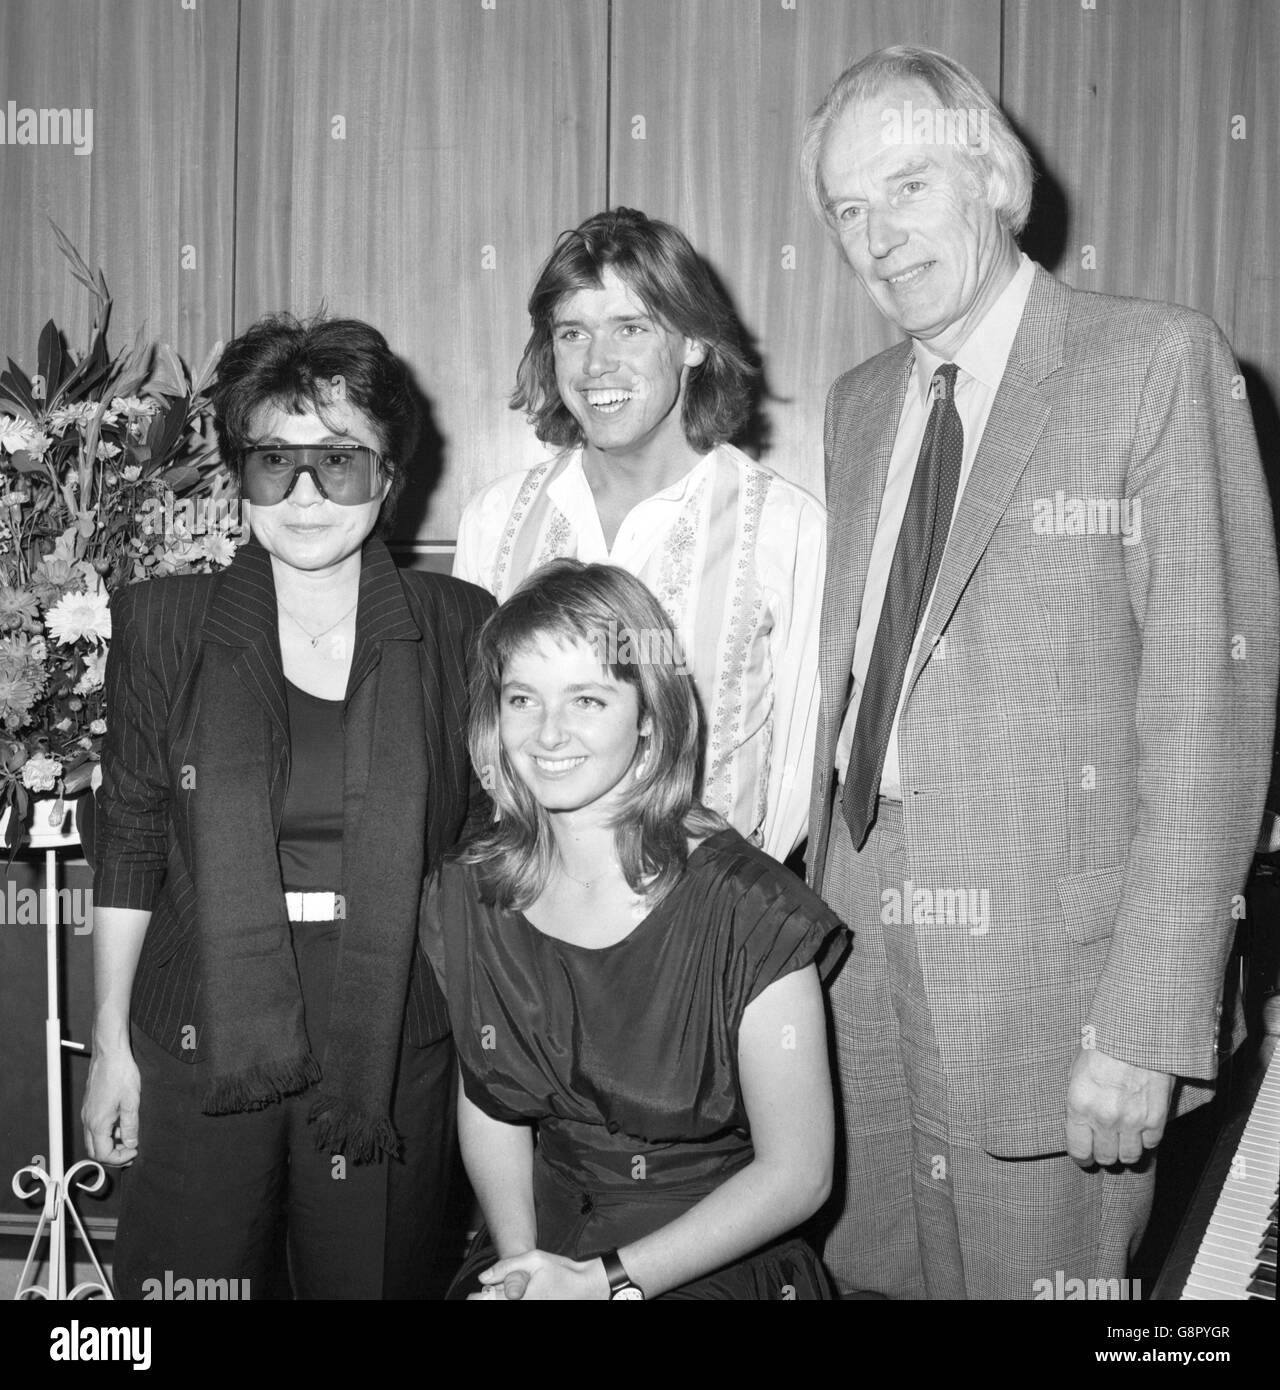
755 436
1045 237
424 470
1266 423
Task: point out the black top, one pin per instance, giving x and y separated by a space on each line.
630 1048
311 829
160 851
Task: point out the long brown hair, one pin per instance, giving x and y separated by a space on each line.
617 616
659 265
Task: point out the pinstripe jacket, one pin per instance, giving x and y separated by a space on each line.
145 850
1087 729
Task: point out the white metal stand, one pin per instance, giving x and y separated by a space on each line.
60 833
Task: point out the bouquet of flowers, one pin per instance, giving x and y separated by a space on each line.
108 475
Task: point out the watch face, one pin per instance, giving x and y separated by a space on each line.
629 1292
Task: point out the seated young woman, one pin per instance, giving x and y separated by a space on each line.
646 1107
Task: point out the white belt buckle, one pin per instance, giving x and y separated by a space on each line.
311 907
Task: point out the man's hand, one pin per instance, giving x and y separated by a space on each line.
1114 1110
110 1110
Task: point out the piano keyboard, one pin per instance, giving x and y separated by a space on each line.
1237 1256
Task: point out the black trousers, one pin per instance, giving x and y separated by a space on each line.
231 1197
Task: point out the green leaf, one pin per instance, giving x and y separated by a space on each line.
180 476
168 377
51 359
15 384
205 375
78 268
172 421
134 367
13 828
87 384
97 361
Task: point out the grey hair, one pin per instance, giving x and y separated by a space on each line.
1004 168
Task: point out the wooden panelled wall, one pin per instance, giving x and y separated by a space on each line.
411 162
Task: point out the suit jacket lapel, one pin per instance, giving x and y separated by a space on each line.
855 489
383 613
1018 416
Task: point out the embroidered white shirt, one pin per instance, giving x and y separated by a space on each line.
735 554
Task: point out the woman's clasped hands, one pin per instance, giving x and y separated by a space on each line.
538 1274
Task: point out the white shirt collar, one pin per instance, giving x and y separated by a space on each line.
985 351
573 481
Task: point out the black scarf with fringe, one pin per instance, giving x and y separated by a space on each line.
252 1006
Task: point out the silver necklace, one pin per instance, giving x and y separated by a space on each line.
583 882
318 635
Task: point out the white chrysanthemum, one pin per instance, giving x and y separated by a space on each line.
220 548
79 414
135 407
79 615
95 672
40 773
16 433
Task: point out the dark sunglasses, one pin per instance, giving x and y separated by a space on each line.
348 474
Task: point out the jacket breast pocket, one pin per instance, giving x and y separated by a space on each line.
1090 902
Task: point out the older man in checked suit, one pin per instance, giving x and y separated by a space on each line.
1048 679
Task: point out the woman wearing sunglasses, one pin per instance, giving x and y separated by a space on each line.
270 1055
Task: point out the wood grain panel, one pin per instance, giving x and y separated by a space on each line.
724 87
1131 109
160 81
473 136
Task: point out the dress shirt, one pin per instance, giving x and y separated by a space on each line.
981 360
735 554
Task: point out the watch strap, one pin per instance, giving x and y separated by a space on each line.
615 1272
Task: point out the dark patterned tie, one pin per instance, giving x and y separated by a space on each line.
921 542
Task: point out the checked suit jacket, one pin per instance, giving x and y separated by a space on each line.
146 850
1087 727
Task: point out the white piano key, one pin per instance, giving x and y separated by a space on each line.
1230 1251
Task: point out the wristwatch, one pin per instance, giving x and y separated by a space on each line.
620 1285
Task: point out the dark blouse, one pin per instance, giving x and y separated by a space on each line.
310 843
630 1049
